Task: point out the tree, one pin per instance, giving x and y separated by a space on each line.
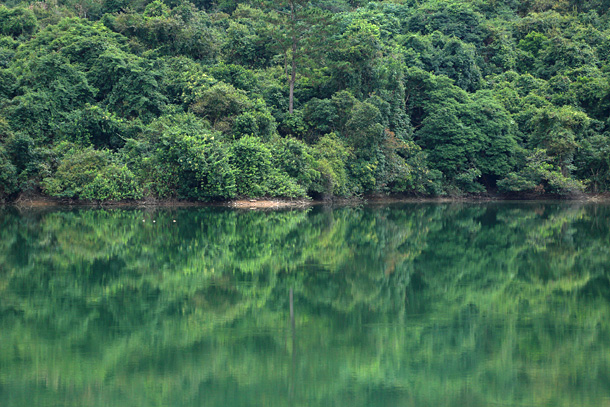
470 141
8 175
557 130
302 33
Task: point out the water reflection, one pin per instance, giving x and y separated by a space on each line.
426 305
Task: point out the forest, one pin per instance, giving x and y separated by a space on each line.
118 100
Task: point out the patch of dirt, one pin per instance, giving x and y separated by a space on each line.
36 200
269 203
602 198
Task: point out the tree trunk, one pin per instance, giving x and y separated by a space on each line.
293 77
293 73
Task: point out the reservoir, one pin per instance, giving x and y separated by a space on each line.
419 304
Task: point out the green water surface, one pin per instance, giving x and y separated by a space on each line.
500 304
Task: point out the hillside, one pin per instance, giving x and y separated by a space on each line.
121 100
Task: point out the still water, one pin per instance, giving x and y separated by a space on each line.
497 304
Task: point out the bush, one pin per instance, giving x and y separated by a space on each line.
98 127
252 161
296 159
320 116
540 176
417 178
31 162
114 183
515 182
17 21
364 173
467 181
8 175
332 157
221 101
190 166
258 123
20 148
259 173
293 125
91 174
281 184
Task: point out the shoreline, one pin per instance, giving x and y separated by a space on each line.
41 201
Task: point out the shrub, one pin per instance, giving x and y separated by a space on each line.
114 183
8 175
98 127
258 123
282 185
221 101
259 172
91 174
17 21
296 159
252 161
190 166
540 176
332 157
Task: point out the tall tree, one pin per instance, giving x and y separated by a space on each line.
303 29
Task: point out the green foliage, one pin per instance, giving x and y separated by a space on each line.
320 116
470 142
156 9
296 159
187 161
114 183
418 178
452 18
255 174
446 56
563 53
363 129
557 131
8 175
31 162
259 123
128 85
332 156
50 87
248 40
220 104
280 184
91 174
293 125
182 30
592 161
533 43
95 126
236 75
423 97
354 56
540 176
17 22
7 84
20 148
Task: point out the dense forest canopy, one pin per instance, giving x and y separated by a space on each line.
209 100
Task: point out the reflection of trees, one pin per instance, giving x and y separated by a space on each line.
429 304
